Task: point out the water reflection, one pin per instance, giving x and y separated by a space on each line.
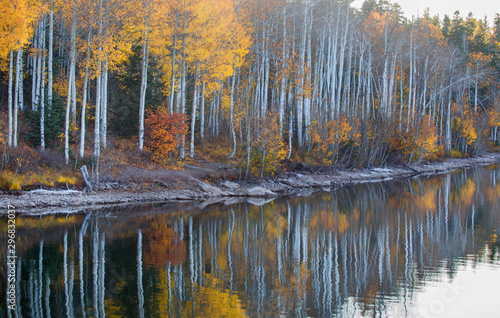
388 249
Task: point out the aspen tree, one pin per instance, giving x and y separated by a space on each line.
51 55
144 69
71 79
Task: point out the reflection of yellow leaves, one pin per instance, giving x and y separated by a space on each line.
275 229
46 222
342 223
426 202
213 300
467 191
331 221
493 193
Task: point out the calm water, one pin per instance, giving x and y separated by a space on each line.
424 247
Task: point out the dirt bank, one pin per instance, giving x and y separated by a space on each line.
188 186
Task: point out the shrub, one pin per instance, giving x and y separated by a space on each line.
270 150
163 132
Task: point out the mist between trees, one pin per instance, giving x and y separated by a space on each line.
314 81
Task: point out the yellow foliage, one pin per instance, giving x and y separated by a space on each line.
15 186
464 129
46 177
419 142
455 154
10 180
271 150
494 117
17 19
427 139
328 142
66 179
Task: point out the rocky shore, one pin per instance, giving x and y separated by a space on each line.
204 194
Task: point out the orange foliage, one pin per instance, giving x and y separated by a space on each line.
163 132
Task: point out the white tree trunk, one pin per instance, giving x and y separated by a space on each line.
202 112
284 75
97 122
174 51
34 71
39 63
231 115
42 97
84 107
193 113
104 106
51 54
42 69
11 66
85 93
144 80
18 88
70 86
68 110
73 95
182 151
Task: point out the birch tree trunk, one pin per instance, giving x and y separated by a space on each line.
11 66
448 121
284 69
16 106
39 62
97 123
182 152
341 62
174 51
85 92
70 87
231 115
193 113
301 74
202 112
42 69
104 105
34 72
84 107
18 88
42 114
144 76
51 55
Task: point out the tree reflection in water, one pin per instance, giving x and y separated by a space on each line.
362 250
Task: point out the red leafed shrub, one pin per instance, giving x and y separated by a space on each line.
163 132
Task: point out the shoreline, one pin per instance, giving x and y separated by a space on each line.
39 202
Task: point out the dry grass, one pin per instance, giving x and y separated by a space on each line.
43 177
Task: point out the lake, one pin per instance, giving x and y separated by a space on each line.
419 247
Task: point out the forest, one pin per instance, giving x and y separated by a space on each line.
262 85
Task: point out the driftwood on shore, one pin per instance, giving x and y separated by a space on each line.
86 177
53 192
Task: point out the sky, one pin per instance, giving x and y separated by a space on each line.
478 7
